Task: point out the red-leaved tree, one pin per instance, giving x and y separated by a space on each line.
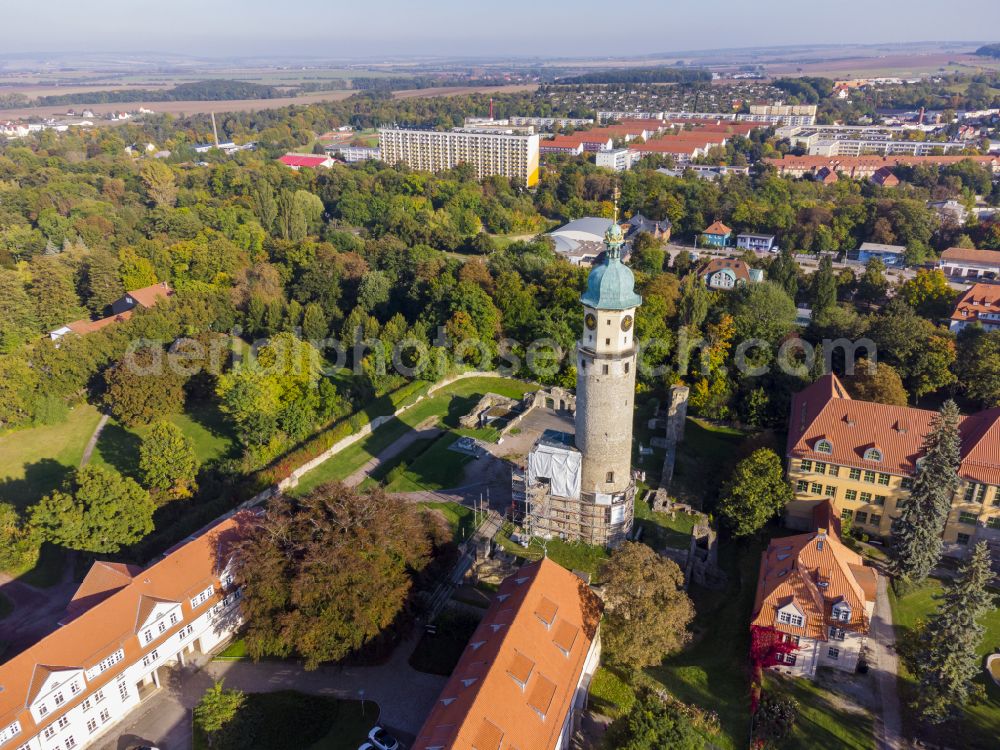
766 644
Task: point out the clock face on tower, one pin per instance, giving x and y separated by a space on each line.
626 322
591 321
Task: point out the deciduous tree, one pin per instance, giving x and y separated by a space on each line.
97 510
755 493
647 612
216 708
143 386
879 383
167 461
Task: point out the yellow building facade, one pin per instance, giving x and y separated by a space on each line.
863 457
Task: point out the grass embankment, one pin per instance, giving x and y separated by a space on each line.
979 725
443 409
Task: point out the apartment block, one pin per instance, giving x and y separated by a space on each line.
509 155
124 627
863 458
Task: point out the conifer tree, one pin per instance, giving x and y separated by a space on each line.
917 531
947 659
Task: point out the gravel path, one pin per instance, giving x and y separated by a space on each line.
888 722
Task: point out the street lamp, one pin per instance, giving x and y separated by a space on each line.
361 693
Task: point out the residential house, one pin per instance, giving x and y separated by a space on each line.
980 304
523 679
756 242
818 595
894 256
618 159
884 177
968 263
121 309
826 175
123 629
728 273
581 241
638 223
863 457
950 211
716 235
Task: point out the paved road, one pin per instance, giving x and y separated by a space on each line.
888 723
36 611
404 695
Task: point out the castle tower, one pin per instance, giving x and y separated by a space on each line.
605 387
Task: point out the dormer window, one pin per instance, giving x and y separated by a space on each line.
842 612
873 454
824 446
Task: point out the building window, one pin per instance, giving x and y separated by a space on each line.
49 732
70 743
626 366
817 488
846 515
173 618
147 636
906 483
91 725
604 369
967 517
820 467
831 491
866 497
790 619
875 519
994 522
162 627
788 659
854 474
805 465
74 687
837 634
883 479
880 499
205 595
123 691
870 477
851 495
861 517
802 486
43 709
833 652
610 477
105 715
824 446
85 705
58 699
99 696
63 722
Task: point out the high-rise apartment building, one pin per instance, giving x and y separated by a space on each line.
510 155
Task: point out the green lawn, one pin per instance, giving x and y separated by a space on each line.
663 530
34 461
202 423
445 407
288 720
571 555
821 721
459 518
980 724
436 468
610 695
705 459
712 674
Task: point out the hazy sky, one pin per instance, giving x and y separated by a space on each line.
337 28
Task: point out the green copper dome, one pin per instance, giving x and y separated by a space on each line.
611 285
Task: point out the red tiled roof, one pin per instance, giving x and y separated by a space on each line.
737 266
85 326
516 681
107 625
825 411
303 160
148 296
978 300
814 572
971 255
718 227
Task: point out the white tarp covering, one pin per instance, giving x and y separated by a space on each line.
561 466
